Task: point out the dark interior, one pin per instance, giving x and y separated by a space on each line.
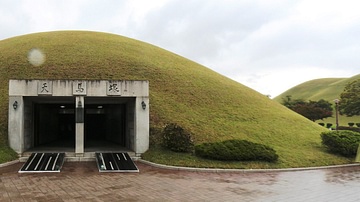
104 123
55 125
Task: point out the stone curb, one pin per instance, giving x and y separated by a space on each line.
9 163
217 170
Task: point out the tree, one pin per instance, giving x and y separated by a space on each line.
313 110
350 104
350 99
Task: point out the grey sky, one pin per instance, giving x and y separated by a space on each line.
268 45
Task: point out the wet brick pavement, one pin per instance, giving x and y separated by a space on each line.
81 181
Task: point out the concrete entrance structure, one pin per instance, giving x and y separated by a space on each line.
78 111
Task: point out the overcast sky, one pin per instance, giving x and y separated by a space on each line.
268 45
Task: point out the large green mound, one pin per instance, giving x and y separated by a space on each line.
208 104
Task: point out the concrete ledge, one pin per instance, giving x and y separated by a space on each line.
218 170
192 169
79 159
71 157
9 163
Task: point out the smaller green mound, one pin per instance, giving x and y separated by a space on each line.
325 88
328 89
341 142
236 150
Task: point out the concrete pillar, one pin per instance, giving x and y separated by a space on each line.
141 125
16 123
79 119
357 158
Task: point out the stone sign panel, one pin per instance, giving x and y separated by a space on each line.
45 87
113 88
79 87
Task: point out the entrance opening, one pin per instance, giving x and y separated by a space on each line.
54 126
105 126
78 116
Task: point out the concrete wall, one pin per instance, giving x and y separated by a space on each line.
16 124
71 87
141 125
130 119
21 135
28 125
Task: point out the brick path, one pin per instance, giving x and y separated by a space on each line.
80 181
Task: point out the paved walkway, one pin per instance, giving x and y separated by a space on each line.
80 181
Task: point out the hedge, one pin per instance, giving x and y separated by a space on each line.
343 142
236 150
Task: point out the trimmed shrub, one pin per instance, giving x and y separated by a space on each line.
342 142
351 124
176 138
328 125
349 128
357 124
236 150
322 124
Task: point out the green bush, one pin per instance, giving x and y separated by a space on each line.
349 128
322 124
351 124
236 150
342 142
177 139
357 124
328 125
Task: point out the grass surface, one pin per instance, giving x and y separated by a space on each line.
211 106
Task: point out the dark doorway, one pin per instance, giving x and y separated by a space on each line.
54 125
105 125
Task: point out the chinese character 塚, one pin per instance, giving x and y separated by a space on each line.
113 88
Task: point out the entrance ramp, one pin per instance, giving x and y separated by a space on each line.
43 162
115 162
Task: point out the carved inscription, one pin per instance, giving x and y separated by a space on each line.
113 88
79 88
44 87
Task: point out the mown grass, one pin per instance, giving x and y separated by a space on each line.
211 106
6 153
166 157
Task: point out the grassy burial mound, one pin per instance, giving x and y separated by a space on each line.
326 88
211 106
